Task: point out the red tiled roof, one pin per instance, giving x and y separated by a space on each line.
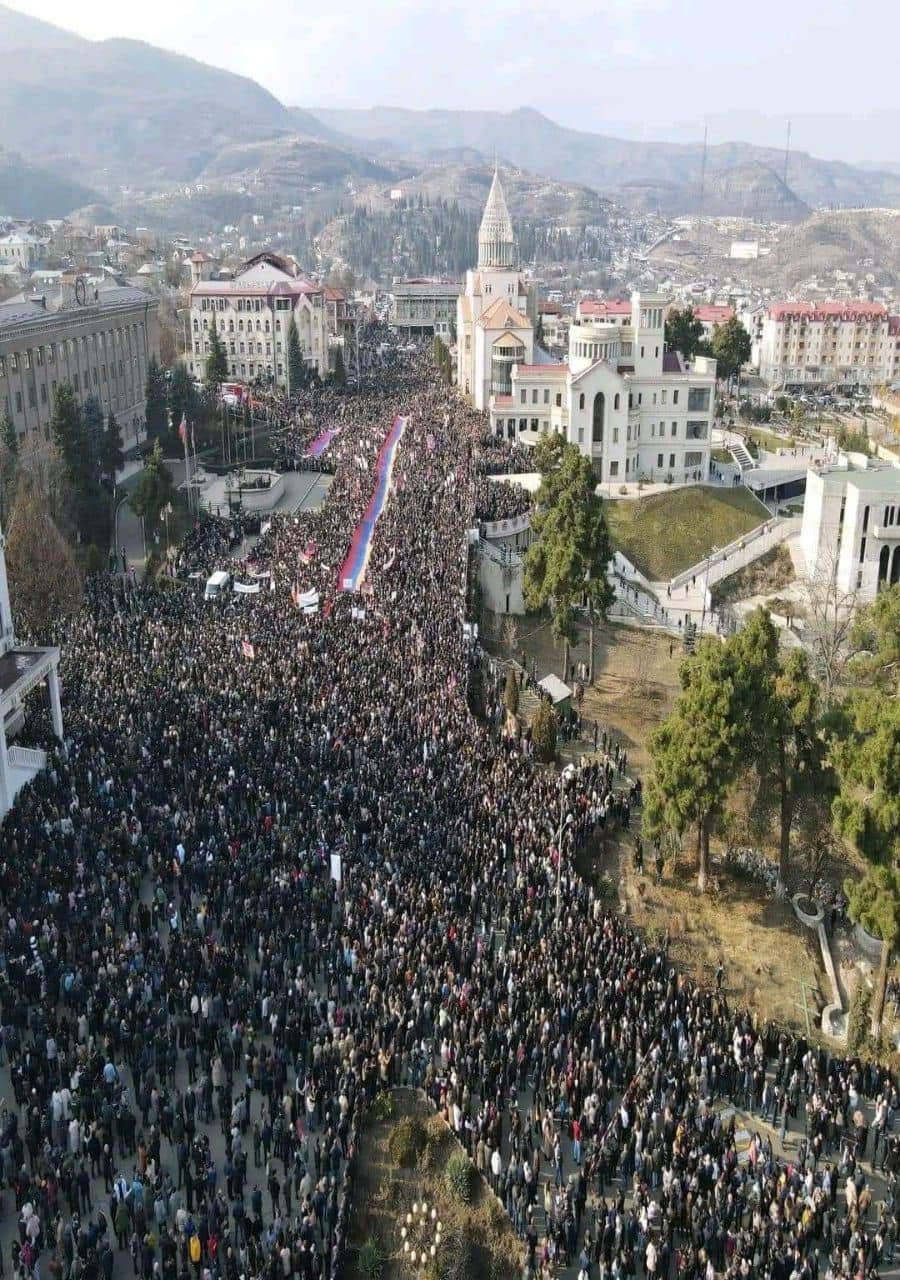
827 310
604 307
334 295
713 314
550 370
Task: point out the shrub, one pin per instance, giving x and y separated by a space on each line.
543 733
511 696
858 1018
383 1107
369 1260
437 1135
459 1176
406 1143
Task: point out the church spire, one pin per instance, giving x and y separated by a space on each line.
496 239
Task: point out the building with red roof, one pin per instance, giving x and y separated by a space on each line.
852 345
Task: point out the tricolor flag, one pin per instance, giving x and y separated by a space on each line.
193 439
182 430
247 649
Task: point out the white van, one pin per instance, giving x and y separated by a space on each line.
216 583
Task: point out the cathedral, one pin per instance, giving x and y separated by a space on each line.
495 314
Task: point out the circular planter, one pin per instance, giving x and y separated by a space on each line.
867 943
807 911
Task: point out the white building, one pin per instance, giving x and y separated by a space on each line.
22 668
847 345
637 411
20 249
851 528
252 313
494 329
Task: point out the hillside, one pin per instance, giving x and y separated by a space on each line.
528 138
753 190
121 111
287 165
838 240
27 191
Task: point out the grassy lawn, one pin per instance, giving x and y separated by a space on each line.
764 439
668 532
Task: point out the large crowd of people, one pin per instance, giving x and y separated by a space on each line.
278 865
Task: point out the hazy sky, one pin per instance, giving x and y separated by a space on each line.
651 68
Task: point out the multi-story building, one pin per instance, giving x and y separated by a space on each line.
20 249
711 315
844 345
424 307
252 314
851 529
638 411
101 343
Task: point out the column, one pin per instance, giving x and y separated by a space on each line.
55 704
5 787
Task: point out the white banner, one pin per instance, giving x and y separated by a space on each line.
335 867
247 588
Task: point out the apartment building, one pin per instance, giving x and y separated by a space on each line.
101 345
252 314
424 307
847 346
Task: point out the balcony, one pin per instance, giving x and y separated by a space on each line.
886 532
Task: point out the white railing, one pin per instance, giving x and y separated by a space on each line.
27 757
740 552
507 528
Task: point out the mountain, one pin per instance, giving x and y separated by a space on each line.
610 165
753 190
289 165
114 112
27 191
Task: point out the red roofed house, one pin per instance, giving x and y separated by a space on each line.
252 313
845 345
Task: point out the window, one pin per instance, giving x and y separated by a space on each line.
534 424
662 397
674 430
616 400
32 397
613 469
546 395
659 459
581 401
598 417
671 460
534 395
674 397
76 386
697 430
615 435
581 435
642 353
698 399
559 399
18 402
523 396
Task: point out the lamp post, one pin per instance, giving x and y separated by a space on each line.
709 557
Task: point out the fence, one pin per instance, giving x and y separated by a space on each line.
737 554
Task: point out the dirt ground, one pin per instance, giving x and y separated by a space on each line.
759 940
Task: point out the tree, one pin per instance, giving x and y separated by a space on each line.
217 360
731 346
866 752
10 435
9 467
166 347
875 643
155 488
684 332
694 752
511 693
183 399
339 373
539 332
567 560
44 581
543 732
68 433
829 625
155 417
874 902
112 456
92 417
296 365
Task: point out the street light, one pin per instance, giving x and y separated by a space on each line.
709 557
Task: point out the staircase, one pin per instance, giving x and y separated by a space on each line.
742 456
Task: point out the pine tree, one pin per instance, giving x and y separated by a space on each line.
155 488
67 432
339 376
10 435
217 360
511 694
296 366
543 732
155 417
92 415
112 456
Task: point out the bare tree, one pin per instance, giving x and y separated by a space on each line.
509 633
829 621
44 580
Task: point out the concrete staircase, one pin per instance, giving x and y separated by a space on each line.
742 456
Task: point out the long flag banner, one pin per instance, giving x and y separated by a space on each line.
353 570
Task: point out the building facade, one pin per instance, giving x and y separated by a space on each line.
101 347
252 314
423 307
494 314
844 345
637 411
851 528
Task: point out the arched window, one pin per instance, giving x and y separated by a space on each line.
616 401
895 567
599 414
883 563
581 401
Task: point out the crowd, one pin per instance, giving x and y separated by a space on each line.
277 866
500 500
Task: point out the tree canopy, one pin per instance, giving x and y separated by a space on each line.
217 360
155 415
296 365
44 579
731 346
684 332
154 489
